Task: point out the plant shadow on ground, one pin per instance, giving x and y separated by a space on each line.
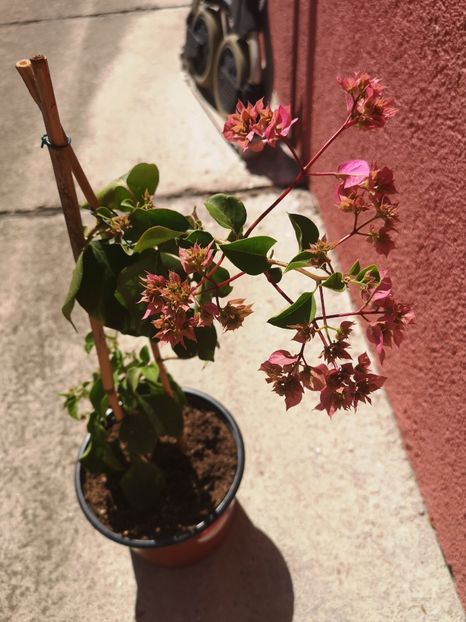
246 579
275 164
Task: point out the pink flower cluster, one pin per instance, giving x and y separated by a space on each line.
171 299
343 386
196 258
256 125
364 100
364 187
178 313
389 327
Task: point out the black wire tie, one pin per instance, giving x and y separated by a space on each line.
45 140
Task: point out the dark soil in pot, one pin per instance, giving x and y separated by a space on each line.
199 472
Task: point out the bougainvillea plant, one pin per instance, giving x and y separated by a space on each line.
154 272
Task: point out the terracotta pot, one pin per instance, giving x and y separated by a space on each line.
186 548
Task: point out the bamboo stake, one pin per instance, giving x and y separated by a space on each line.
26 72
36 76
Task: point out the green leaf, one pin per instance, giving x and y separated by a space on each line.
301 260
142 484
204 347
203 238
150 373
219 276
105 213
166 415
335 282
274 275
153 237
96 396
372 270
129 290
112 456
250 254
355 268
143 177
144 355
305 230
101 263
92 457
113 195
75 284
71 405
89 342
137 432
300 312
206 342
143 219
133 375
188 351
227 210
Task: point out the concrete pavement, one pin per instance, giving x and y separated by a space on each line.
332 527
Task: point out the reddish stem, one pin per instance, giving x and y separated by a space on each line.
298 177
223 283
209 274
343 127
279 290
294 153
335 315
355 231
324 315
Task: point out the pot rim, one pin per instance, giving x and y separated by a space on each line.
227 417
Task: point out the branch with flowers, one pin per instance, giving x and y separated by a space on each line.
147 270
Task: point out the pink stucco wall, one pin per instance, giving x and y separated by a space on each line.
419 49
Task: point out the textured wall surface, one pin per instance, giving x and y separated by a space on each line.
420 52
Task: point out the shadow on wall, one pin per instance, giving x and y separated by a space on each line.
245 579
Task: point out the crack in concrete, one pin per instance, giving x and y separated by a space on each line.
53 210
142 9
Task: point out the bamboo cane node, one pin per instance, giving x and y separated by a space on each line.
45 141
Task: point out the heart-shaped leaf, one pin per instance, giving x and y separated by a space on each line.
300 312
372 270
355 268
154 237
165 415
335 282
305 230
227 210
143 177
249 255
219 276
142 219
301 260
137 432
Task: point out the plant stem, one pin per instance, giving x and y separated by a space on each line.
293 153
210 273
162 369
280 291
341 129
352 313
355 230
324 315
265 213
328 174
311 275
298 177
223 283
